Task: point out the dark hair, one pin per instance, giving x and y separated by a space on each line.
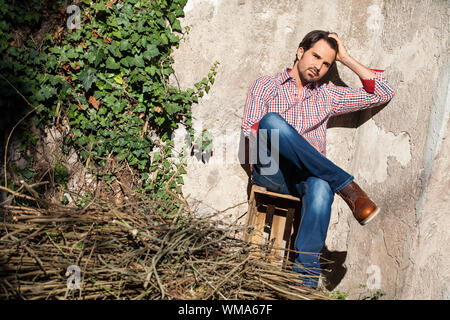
312 37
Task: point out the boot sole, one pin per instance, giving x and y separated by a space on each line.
370 218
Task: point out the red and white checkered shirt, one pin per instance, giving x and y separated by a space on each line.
310 112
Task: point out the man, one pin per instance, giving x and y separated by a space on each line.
288 114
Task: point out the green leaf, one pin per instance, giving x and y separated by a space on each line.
122 155
132 160
100 6
172 108
72 54
139 62
127 61
166 164
151 52
115 50
142 164
95 56
125 45
156 157
45 92
179 12
13 51
171 17
180 180
112 64
176 26
174 39
88 77
164 39
118 79
168 71
159 121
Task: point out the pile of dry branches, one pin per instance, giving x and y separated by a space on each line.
137 251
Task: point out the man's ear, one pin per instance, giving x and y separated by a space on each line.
300 52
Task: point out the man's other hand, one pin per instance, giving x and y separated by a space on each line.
342 51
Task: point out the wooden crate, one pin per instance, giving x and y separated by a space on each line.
275 218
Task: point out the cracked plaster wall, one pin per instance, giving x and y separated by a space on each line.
396 153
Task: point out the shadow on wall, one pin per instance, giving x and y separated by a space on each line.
332 261
332 265
352 119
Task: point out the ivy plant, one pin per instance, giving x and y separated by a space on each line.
108 80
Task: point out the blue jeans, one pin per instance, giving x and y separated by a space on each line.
301 171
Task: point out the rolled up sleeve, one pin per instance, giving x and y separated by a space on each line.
375 91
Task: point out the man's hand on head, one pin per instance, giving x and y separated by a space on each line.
344 57
342 51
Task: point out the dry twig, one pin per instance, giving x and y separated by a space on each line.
134 251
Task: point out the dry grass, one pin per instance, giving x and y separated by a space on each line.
134 251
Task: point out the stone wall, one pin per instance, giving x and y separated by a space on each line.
398 153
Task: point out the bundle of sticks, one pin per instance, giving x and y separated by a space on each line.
134 251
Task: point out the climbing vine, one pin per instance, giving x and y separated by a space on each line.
108 80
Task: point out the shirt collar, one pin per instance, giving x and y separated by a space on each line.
285 76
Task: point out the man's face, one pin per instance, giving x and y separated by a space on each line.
315 62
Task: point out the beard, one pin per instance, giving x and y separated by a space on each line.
305 77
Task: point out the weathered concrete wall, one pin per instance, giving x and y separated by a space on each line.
398 153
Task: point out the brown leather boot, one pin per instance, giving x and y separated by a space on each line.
364 209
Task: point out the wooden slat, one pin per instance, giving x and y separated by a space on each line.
251 209
263 190
287 233
250 214
268 221
288 225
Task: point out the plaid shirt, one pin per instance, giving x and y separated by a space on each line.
310 112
